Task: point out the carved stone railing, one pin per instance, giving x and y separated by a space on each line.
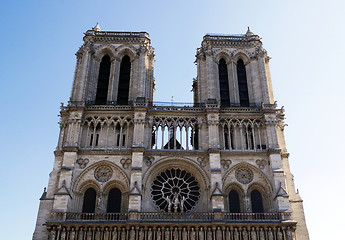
169 217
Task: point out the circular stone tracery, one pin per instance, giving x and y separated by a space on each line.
244 175
175 190
103 173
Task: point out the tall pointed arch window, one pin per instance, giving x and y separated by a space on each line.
256 201
223 83
114 201
242 83
103 81
124 80
234 202
89 203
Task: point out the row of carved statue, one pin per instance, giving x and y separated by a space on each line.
172 233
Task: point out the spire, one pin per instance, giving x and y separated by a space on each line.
96 28
249 33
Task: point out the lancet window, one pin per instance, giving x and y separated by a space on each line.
106 133
124 81
256 201
103 81
234 202
242 134
242 83
175 133
223 83
89 202
114 201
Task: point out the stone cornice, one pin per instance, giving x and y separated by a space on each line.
213 150
138 149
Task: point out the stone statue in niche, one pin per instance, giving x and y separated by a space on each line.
167 234
270 234
114 235
201 234
158 234
236 236
141 234
279 235
253 234
149 234
192 234
262 234
175 234
244 234
219 233
209 234
184 234
132 234
227 234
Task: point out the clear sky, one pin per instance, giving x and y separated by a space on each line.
304 38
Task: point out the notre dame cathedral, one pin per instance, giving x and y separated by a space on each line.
128 167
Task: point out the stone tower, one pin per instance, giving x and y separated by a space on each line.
129 168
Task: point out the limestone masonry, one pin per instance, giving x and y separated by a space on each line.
127 167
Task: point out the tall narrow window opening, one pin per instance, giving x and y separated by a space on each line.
103 81
223 83
234 202
242 83
89 201
249 138
114 201
124 79
256 200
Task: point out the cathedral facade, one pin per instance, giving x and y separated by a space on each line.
127 167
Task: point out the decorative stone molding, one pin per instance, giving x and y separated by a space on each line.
149 160
202 161
82 162
261 163
126 162
225 163
103 173
217 191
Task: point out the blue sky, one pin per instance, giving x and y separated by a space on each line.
304 38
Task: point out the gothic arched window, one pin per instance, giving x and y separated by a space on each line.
124 79
114 201
234 202
89 201
256 200
103 81
223 83
242 83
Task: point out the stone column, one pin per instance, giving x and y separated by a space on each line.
210 75
83 73
137 160
217 198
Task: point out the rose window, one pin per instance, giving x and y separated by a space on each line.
175 190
